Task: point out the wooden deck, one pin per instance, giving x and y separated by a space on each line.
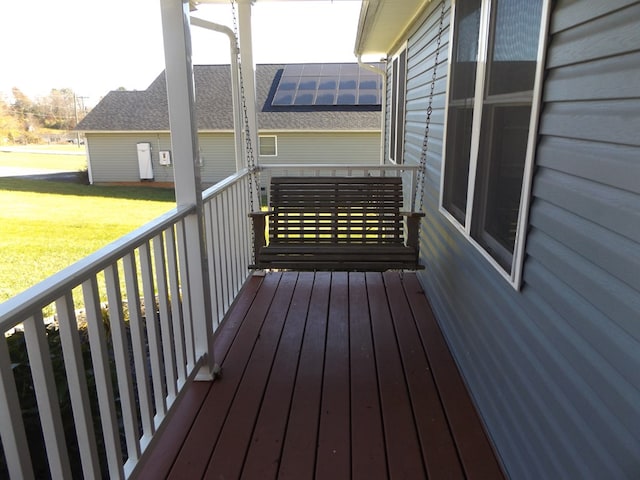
328 376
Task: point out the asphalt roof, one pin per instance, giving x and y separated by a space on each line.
147 110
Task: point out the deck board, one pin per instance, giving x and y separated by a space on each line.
438 448
474 449
368 454
334 446
192 461
263 455
401 438
328 376
228 456
299 449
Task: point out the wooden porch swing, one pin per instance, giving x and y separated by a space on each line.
336 223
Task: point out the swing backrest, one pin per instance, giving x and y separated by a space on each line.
336 210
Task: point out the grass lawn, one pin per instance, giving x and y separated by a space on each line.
71 158
46 226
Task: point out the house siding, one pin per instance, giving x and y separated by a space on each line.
114 158
217 151
329 147
554 368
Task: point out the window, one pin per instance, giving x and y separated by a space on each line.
268 145
398 89
493 97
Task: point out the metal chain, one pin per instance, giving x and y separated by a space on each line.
422 171
254 182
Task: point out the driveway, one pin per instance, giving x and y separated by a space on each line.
41 174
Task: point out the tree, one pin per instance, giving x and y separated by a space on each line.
16 119
23 108
58 109
62 109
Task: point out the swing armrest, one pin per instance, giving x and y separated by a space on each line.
261 213
413 227
412 214
258 220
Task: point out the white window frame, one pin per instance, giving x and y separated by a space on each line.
397 103
275 145
515 276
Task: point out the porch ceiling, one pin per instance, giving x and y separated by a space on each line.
382 22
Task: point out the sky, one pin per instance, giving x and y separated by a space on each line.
94 46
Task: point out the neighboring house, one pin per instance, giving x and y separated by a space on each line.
311 113
532 200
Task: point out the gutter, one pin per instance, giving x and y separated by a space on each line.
235 82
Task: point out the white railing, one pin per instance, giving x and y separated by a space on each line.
227 205
117 379
407 172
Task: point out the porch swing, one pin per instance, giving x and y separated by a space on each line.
337 223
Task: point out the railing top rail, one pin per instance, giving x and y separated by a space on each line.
23 305
336 166
222 185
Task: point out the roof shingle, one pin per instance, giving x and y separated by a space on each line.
147 110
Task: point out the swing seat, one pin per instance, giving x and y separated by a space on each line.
336 223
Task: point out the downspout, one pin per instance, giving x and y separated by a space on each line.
383 113
235 84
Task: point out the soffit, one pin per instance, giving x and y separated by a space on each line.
382 23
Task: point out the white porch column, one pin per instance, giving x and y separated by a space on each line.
184 143
248 71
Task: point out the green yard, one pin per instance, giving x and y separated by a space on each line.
71 158
45 226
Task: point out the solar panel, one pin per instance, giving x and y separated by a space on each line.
327 84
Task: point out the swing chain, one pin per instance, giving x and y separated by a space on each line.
254 182
422 171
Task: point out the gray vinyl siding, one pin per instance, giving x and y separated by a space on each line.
217 152
330 147
113 156
554 368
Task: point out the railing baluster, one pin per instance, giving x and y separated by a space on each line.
153 336
246 236
77 381
189 342
165 318
212 254
228 247
221 257
138 342
123 364
176 306
102 372
224 247
35 335
233 222
14 438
